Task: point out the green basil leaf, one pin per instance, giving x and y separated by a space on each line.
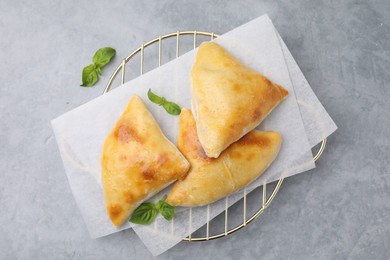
89 76
165 209
172 108
168 211
103 56
144 214
160 202
155 99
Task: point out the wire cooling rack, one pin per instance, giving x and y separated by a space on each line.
266 197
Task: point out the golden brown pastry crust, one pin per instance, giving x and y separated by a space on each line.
210 179
228 98
137 161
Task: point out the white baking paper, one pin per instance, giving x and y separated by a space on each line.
81 132
318 125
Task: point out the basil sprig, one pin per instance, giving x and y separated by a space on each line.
147 212
90 76
91 72
144 214
170 107
166 210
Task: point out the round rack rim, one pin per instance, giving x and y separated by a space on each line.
266 200
157 39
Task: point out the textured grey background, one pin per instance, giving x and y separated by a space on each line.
339 210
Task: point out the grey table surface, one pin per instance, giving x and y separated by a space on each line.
340 210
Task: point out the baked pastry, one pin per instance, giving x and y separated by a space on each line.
228 98
137 161
210 179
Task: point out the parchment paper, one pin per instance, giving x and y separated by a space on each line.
81 132
318 125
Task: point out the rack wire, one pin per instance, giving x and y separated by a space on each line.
266 199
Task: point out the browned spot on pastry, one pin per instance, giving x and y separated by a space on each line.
235 154
114 211
129 196
127 133
256 114
236 87
250 156
254 139
148 173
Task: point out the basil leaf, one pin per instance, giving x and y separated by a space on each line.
167 210
160 202
103 56
172 108
147 212
155 99
89 76
144 214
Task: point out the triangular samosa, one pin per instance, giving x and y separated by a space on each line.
228 98
211 179
137 161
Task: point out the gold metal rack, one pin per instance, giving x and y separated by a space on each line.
266 200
